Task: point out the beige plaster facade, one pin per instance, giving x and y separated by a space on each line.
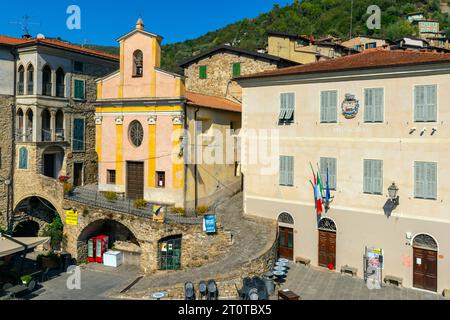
398 141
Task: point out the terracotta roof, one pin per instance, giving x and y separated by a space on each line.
206 101
55 43
369 59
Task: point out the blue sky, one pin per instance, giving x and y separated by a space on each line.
102 22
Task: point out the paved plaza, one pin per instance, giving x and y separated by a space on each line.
320 284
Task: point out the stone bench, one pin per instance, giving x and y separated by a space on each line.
393 280
349 270
304 261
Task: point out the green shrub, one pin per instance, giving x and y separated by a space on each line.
26 279
139 203
202 210
179 211
111 196
55 231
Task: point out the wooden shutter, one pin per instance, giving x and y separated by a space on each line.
333 107
78 135
419 180
79 89
431 183
290 106
290 171
367 176
419 104
283 106
430 108
23 158
377 177
329 163
323 106
282 171
368 110
236 69
203 72
379 105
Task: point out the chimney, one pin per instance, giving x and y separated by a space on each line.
140 24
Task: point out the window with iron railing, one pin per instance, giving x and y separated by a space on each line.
47 89
20 89
60 90
59 134
46 135
30 88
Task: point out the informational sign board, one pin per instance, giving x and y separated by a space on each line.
209 223
71 218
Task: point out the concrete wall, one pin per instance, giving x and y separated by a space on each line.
7 72
360 217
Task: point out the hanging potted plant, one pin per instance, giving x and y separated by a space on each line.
26 279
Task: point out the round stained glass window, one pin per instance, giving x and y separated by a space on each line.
136 133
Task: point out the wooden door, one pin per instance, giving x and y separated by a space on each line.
135 180
286 243
77 174
425 269
327 249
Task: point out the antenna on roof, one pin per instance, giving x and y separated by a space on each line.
25 23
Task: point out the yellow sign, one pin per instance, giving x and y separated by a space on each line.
71 218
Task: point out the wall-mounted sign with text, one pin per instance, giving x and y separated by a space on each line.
71 218
209 223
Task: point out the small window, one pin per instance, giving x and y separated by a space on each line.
425 180
328 168
160 179
78 66
374 105
328 107
373 177
425 103
371 45
236 69
287 171
203 72
136 133
138 64
23 158
78 135
111 176
287 108
79 89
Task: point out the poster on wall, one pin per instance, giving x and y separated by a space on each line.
374 265
71 218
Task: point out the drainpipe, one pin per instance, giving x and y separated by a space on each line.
195 162
9 187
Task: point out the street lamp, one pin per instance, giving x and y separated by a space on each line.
393 194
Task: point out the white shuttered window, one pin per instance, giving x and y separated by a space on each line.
287 171
328 107
373 176
425 103
374 105
331 165
425 180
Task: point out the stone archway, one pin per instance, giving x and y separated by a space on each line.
121 238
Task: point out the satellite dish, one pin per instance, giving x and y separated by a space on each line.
40 36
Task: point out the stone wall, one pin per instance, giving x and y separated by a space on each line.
220 73
6 152
198 248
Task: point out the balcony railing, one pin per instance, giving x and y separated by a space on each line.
60 90
20 89
29 135
59 134
47 89
46 135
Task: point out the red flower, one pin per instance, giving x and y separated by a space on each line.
331 267
63 178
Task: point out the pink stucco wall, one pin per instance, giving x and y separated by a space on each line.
110 87
165 85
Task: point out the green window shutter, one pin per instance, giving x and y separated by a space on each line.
368 109
290 106
79 89
431 103
333 107
328 107
23 158
331 164
236 69
290 171
78 135
286 171
283 107
419 180
333 174
419 104
203 72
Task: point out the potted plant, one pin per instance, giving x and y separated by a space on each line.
26 279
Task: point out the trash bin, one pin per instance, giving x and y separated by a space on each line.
270 285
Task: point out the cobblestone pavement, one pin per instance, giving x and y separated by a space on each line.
319 284
251 237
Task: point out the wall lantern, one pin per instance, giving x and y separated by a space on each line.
393 194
